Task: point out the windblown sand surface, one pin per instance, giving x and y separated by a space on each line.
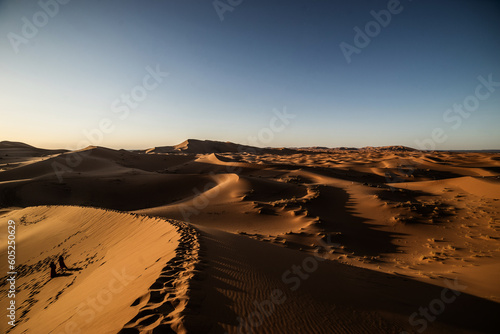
216 237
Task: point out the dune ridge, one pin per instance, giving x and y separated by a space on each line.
170 304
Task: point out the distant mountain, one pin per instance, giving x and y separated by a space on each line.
196 146
18 149
325 149
399 148
14 144
394 148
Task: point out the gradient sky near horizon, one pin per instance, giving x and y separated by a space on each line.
226 77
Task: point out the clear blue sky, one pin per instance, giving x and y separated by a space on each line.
226 77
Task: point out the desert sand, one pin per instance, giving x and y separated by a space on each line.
212 237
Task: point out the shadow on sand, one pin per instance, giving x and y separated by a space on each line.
243 271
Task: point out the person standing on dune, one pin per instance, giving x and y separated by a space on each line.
62 264
53 272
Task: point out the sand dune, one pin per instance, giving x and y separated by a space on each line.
17 149
379 232
323 297
113 258
15 154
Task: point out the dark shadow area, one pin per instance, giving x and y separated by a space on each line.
352 294
62 275
401 195
129 192
492 169
421 211
337 217
219 279
268 190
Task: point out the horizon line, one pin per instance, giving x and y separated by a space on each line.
319 147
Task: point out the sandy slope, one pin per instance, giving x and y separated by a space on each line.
259 287
400 225
114 259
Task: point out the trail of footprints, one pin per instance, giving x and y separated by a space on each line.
173 301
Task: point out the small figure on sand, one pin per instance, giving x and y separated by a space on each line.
64 269
53 272
62 264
